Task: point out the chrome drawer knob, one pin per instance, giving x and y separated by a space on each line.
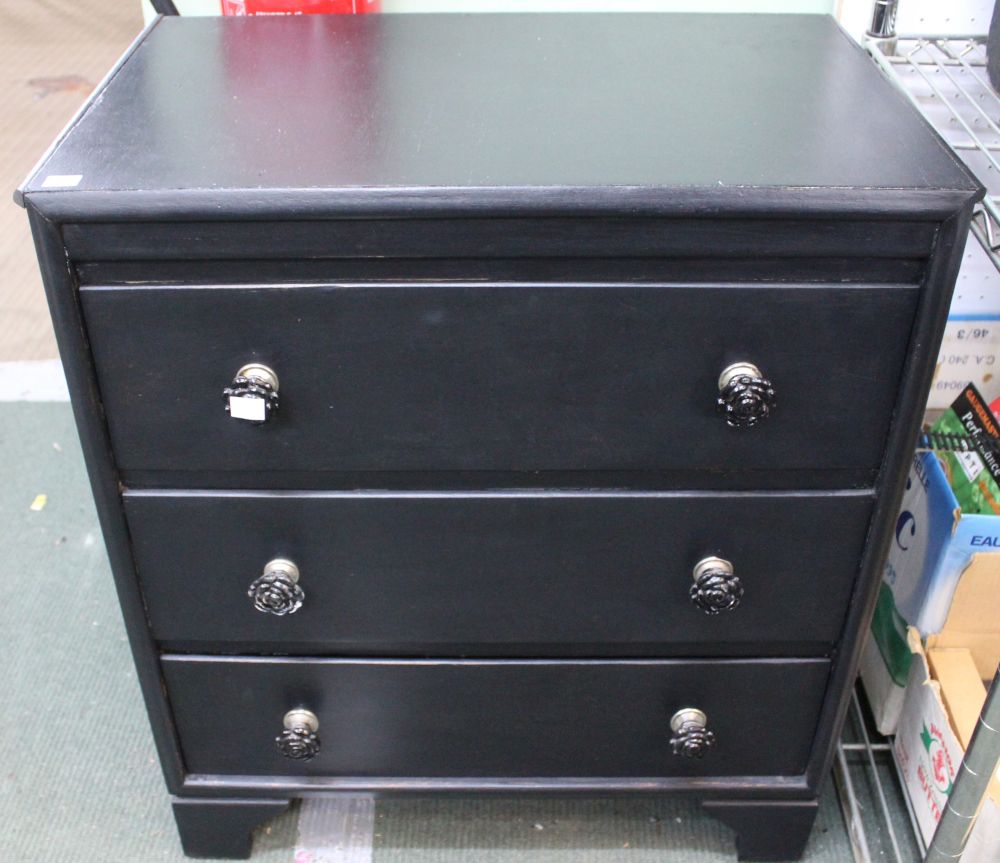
745 396
277 589
253 394
716 588
299 741
691 739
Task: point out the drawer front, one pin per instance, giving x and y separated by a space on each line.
509 378
498 574
491 719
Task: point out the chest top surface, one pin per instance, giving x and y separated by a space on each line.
720 102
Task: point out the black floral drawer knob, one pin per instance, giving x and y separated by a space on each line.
716 587
253 394
745 396
299 741
277 589
691 738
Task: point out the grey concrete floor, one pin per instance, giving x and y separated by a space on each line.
52 54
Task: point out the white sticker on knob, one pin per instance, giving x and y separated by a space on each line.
247 408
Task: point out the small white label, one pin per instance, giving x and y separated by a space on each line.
247 408
971 464
61 181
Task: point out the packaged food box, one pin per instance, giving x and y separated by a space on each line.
974 473
932 553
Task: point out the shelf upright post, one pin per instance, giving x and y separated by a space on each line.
978 765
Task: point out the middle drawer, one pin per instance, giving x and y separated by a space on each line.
499 573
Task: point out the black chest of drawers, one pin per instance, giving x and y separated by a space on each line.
497 403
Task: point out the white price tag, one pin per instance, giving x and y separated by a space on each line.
247 408
61 181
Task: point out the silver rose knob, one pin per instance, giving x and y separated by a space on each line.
746 397
716 588
691 739
299 741
277 590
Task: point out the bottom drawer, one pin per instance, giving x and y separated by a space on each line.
497 718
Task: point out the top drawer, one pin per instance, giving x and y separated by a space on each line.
391 380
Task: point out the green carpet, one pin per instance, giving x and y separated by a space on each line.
80 781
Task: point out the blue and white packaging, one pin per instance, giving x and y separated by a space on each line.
932 545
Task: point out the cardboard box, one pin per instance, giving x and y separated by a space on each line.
926 746
931 551
944 696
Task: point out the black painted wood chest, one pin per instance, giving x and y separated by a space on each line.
497 403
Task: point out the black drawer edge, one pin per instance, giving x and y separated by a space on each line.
434 490
501 652
500 238
893 202
842 270
851 480
771 787
465 662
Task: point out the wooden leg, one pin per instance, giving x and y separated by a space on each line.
221 828
767 829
